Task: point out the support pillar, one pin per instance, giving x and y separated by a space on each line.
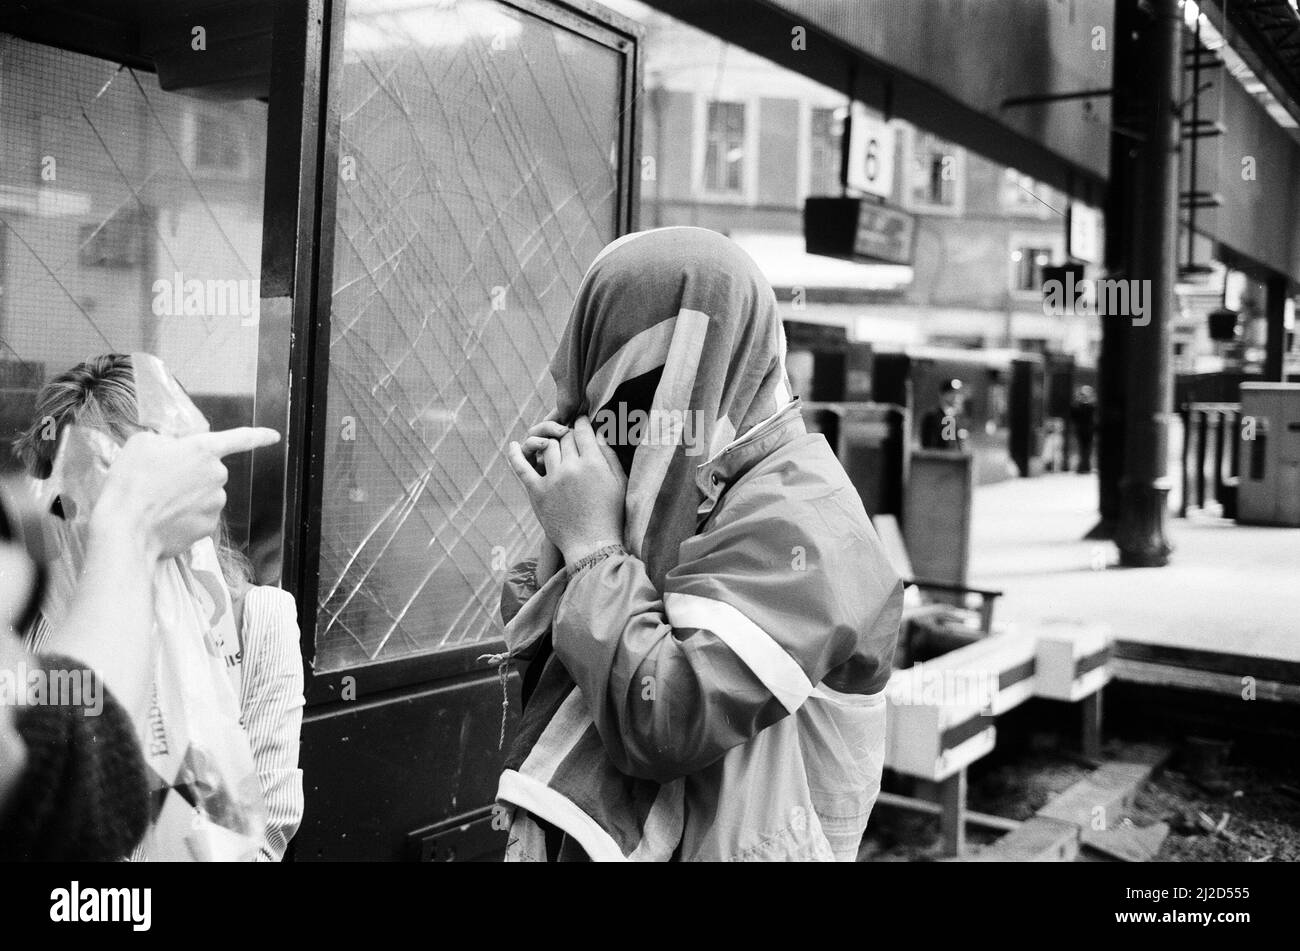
1144 489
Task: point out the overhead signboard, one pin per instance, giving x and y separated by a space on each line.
1085 235
871 153
858 229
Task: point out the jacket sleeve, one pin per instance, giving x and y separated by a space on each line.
754 616
520 585
83 795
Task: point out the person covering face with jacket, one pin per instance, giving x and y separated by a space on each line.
705 676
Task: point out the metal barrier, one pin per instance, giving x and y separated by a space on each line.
1206 471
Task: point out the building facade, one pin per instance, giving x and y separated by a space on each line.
734 142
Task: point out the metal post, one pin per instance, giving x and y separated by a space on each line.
1233 425
1091 712
1145 486
1202 423
1234 442
1220 448
1275 313
952 818
1187 449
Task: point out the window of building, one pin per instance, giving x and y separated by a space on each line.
825 133
1023 195
936 170
1027 263
724 147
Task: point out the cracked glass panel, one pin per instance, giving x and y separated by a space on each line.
130 220
477 180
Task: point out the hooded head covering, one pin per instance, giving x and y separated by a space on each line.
676 330
673 349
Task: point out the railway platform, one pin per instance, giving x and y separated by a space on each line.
1226 608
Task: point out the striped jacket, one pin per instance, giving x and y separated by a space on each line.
270 688
742 707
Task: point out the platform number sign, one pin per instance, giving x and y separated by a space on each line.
871 153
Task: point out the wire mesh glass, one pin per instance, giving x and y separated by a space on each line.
478 178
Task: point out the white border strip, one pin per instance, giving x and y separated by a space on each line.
662 829
556 808
640 354
769 661
651 462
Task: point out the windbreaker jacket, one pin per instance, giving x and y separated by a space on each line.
750 692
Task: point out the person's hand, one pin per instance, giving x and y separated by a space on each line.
579 498
539 437
168 492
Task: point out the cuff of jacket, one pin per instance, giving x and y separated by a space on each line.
597 556
521 584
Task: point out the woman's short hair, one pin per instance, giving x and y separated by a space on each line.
98 393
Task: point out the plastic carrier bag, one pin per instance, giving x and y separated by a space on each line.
207 804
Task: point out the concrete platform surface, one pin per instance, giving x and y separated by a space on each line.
1229 588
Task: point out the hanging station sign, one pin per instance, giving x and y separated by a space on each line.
858 229
870 153
1084 233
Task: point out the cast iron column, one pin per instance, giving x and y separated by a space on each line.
1144 488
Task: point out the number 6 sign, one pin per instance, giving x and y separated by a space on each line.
871 153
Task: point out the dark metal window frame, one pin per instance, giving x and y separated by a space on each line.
298 261
297 281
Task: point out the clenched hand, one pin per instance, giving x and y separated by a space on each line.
170 491
578 498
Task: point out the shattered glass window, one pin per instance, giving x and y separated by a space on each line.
478 163
130 220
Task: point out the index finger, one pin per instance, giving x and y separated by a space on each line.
523 470
584 435
230 441
549 429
